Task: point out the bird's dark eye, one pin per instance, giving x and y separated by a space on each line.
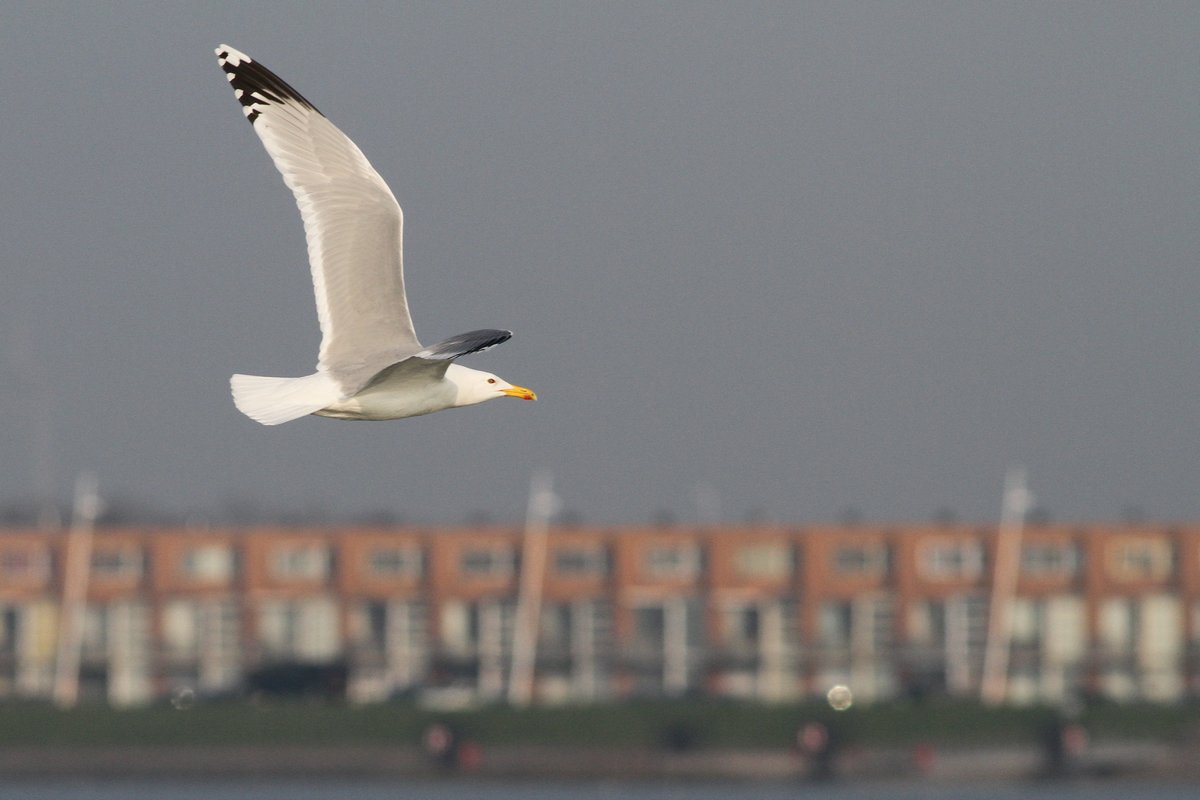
491 380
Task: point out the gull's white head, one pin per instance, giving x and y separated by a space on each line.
475 386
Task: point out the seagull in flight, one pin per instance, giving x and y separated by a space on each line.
371 364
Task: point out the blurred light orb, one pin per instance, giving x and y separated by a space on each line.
840 697
182 699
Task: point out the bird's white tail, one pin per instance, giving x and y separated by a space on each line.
275 400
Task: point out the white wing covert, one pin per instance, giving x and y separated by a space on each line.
352 222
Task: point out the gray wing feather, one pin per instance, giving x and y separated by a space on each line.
464 343
436 359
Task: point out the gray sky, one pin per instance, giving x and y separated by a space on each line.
813 255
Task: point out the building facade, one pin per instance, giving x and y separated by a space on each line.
769 613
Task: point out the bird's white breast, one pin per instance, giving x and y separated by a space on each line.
395 398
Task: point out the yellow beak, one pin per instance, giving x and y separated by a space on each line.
519 391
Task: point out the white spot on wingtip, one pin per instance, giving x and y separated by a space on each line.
227 55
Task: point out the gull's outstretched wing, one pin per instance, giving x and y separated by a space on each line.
351 219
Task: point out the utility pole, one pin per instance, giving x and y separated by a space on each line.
76 571
543 504
1005 572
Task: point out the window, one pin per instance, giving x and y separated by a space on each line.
835 619
1048 559
670 626
927 623
305 629
382 625
1117 624
487 562
1063 629
395 562
24 565
649 627
123 563
374 621
180 628
581 561
742 626
861 559
95 631
951 560
555 628
209 563
9 630
484 627
767 560
673 561
1141 559
301 562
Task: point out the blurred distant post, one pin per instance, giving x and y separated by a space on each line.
543 504
1007 569
75 585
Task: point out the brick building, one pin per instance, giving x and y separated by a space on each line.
754 611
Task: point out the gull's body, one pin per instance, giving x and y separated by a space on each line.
371 364
399 395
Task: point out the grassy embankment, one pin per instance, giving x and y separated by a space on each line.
681 724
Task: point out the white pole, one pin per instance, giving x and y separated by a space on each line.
491 649
543 504
958 642
75 586
862 646
1017 501
675 649
583 648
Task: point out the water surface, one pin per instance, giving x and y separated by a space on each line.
522 790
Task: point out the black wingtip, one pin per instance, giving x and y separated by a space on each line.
255 86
